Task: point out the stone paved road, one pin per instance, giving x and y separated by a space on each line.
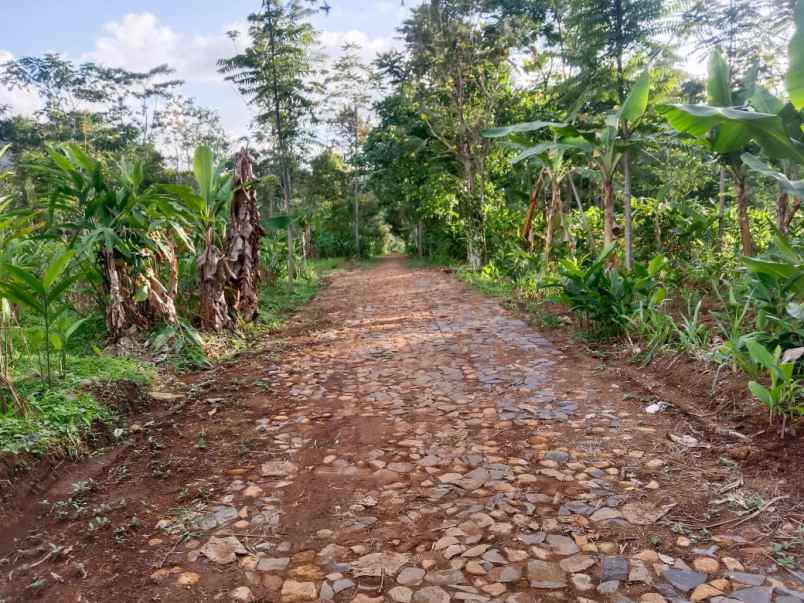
433 448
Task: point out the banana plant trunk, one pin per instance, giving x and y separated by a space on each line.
162 299
121 312
160 302
213 273
472 215
721 212
786 211
356 216
746 240
243 235
627 219
552 218
534 201
608 210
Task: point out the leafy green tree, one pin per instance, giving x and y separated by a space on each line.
348 98
272 72
607 35
460 70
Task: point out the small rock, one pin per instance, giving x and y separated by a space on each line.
400 594
639 573
431 594
577 563
223 550
410 576
326 593
753 595
747 579
278 469
732 564
378 564
609 587
615 567
605 514
707 565
562 545
253 492
475 568
704 591
505 573
242 593
445 577
277 564
495 589
582 582
298 591
546 574
684 580
188 579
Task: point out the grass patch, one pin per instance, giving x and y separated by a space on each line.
277 303
503 288
61 416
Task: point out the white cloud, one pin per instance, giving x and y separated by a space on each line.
139 42
332 41
23 102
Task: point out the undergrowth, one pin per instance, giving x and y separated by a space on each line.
62 415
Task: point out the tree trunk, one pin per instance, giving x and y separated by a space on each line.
746 239
785 211
303 241
420 239
122 312
590 239
721 214
608 211
116 315
629 249
160 302
356 220
534 201
243 234
214 311
552 219
657 225
782 202
473 222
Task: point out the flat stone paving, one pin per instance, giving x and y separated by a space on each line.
434 448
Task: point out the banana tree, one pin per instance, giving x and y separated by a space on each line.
209 204
243 234
786 170
627 120
114 217
552 157
727 130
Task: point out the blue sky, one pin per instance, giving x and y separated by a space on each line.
187 34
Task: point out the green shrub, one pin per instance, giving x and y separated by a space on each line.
606 297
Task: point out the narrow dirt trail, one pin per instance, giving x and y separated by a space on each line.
410 441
